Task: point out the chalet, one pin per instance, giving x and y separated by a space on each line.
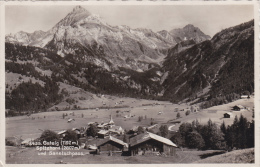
80 132
92 123
62 133
152 126
228 115
238 107
112 144
70 119
245 96
116 130
103 133
149 143
14 141
92 147
100 126
134 128
27 141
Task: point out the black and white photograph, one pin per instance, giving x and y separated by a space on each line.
122 83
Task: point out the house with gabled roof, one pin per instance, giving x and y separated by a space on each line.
228 115
111 144
238 107
103 133
116 130
245 96
149 143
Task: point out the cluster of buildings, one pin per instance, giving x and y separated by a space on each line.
109 129
109 141
141 144
235 108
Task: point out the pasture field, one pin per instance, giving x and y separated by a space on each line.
26 127
237 156
161 111
30 128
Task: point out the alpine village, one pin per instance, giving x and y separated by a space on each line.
88 92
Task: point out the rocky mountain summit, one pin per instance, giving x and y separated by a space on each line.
85 52
88 35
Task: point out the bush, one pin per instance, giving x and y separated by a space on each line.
178 115
49 135
92 130
195 140
164 130
187 112
177 139
10 143
140 130
70 136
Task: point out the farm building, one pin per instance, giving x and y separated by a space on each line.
112 144
103 133
62 133
238 107
70 120
27 141
149 143
245 96
14 141
103 126
116 130
80 132
152 126
228 115
134 128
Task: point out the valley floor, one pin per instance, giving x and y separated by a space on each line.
26 127
161 111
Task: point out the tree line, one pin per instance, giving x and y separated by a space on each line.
239 135
31 97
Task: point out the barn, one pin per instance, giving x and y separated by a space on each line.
103 133
13 141
116 130
245 96
112 144
149 143
238 107
227 115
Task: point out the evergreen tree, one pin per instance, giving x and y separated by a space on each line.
92 130
140 130
164 130
70 135
195 140
49 135
178 115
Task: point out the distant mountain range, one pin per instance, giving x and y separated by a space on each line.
81 32
83 51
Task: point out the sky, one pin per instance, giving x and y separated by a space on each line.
209 18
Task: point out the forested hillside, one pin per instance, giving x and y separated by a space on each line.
82 50
219 67
47 70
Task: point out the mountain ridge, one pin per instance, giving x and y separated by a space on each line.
93 56
120 45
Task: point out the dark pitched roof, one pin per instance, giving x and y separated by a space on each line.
147 136
111 138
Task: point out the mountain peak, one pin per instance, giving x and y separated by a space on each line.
189 26
76 15
189 32
79 9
